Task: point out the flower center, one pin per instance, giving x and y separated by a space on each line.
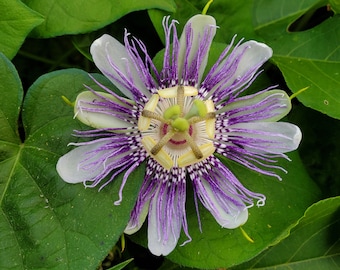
177 128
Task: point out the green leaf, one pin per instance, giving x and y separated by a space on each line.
308 58
335 5
313 244
10 88
269 15
45 222
320 148
216 247
286 202
233 17
78 16
12 94
121 265
16 22
169 265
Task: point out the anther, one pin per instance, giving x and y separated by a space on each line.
189 157
162 156
171 92
145 122
210 119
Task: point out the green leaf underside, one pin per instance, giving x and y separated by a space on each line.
310 58
46 223
78 16
16 22
313 244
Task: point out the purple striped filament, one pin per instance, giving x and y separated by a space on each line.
177 120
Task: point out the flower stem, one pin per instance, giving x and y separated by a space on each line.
298 92
67 101
205 9
246 235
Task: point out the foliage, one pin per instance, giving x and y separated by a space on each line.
46 223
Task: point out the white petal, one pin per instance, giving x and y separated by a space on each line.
107 51
236 216
157 242
133 227
97 119
255 55
200 24
276 137
250 105
251 55
69 165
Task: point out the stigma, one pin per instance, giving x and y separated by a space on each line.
178 128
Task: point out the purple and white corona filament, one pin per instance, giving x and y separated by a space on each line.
176 120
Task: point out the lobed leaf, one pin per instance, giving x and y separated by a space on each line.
309 58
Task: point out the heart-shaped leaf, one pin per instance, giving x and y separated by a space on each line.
46 223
